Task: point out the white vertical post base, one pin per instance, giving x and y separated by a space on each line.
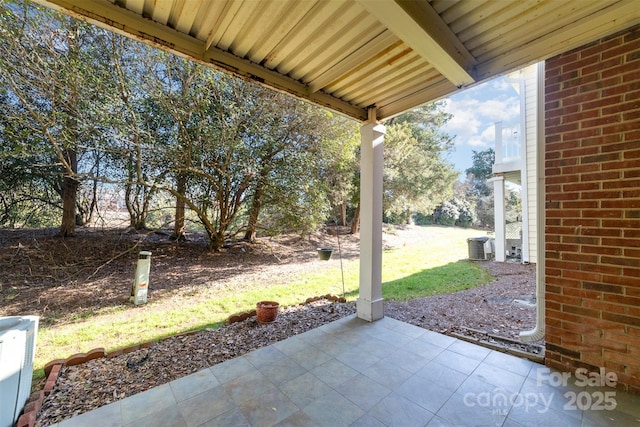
370 310
499 217
370 304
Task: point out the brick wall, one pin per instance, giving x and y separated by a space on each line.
592 166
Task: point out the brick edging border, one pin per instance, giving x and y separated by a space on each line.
52 371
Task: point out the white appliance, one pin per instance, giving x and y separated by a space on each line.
17 350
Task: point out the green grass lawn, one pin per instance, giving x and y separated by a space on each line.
428 268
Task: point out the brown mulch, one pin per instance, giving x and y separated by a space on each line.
486 313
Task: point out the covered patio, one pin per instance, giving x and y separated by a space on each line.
372 60
385 373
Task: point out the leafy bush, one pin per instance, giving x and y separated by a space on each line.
454 212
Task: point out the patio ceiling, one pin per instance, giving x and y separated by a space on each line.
349 55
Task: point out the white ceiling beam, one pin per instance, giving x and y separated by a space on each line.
422 29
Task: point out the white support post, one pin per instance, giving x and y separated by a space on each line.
499 214
370 303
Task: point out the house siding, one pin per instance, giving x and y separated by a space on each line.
592 198
530 147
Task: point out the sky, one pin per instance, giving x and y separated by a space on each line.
474 112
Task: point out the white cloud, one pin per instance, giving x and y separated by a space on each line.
476 110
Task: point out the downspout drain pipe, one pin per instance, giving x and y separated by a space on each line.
537 333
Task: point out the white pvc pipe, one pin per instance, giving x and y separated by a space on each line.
537 333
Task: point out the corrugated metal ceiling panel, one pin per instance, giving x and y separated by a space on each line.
336 53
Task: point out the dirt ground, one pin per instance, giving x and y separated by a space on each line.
94 269
88 271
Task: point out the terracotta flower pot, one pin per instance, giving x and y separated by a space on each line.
267 311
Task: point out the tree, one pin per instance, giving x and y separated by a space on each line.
480 171
54 80
479 193
416 176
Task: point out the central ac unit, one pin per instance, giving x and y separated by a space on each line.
17 351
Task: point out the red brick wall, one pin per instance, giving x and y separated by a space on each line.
592 167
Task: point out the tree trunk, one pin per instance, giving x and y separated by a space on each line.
256 204
408 216
70 183
355 223
179 220
343 214
69 191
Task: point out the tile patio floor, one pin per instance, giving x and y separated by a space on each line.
386 373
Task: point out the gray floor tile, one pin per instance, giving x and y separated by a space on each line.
333 373
499 377
609 418
367 421
232 369
314 336
412 362
400 411
299 419
428 395
392 337
439 422
388 374
541 416
377 348
363 391
442 376
357 359
264 356
627 402
335 347
546 396
469 350
291 345
205 406
457 361
234 418
462 411
107 416
514 364
405 328
337 328
282 371
423 349
333 410
311 357
268 409
166 417
435 338
305 389
191 385
142 404
248 387
510 423
476 386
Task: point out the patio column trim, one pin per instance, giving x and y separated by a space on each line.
498 211
370 303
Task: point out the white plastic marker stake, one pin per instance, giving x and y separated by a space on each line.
141 279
